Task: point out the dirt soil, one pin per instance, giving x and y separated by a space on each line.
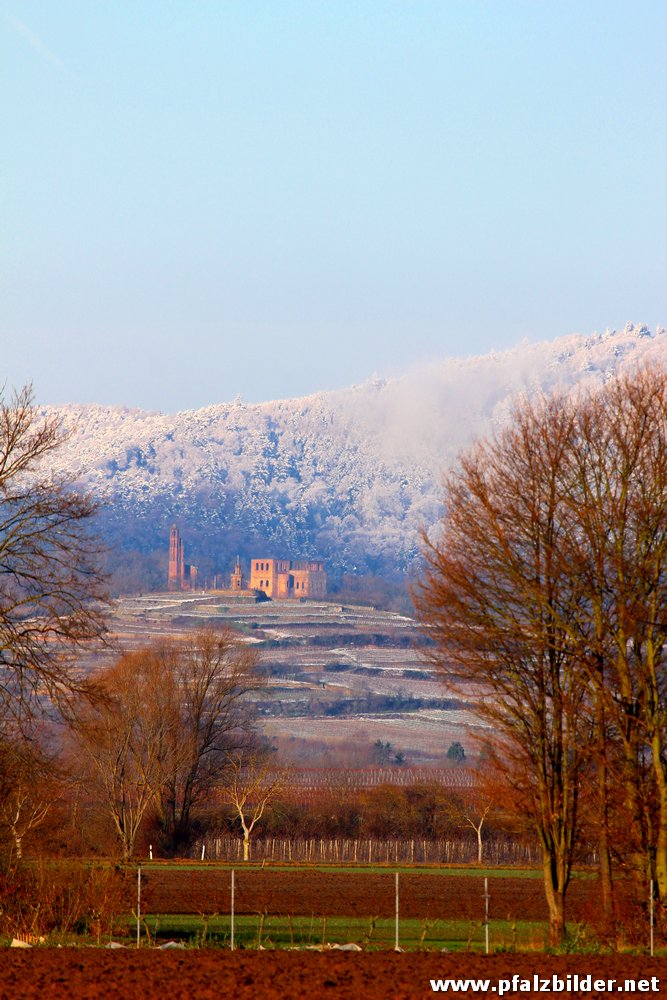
354 893
77 973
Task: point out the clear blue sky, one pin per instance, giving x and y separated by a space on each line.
205 198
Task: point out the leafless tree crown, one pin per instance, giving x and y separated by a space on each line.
547 589
51 590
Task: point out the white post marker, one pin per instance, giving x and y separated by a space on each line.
486 915
150 851
138 903
231 940
396 945
203 851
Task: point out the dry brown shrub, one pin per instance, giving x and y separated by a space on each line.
61 898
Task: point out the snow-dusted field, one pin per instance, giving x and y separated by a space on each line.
429 733
340 674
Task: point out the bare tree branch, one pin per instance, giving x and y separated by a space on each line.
51 593
252 782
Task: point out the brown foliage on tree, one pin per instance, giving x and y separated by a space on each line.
159 734
124 735
29 786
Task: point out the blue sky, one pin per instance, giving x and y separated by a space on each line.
205 199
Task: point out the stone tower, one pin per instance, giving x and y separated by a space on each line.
236 578
176 561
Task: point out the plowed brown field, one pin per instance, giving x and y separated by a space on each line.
354 893
77 973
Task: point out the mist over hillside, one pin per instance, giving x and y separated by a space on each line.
350 476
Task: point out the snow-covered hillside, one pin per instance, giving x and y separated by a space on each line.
349 475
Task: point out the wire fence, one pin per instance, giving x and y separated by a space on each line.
298 906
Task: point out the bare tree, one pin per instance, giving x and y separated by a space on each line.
495 595
252 782
50 585
549 587
618 543
471 810
213 672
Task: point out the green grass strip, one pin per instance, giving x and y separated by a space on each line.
265 931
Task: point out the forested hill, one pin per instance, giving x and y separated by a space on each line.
349 475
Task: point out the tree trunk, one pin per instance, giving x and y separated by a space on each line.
246 848
127 843
639 854
555 893
661 838
606 886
